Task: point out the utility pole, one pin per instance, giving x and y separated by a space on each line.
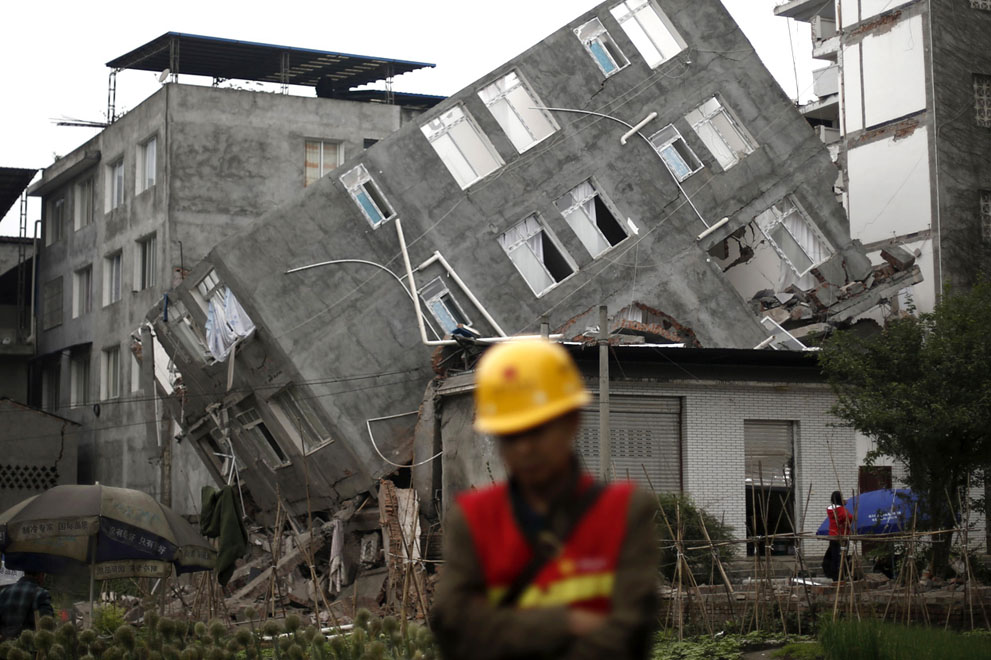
605 451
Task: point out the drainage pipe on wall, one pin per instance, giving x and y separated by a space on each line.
439 258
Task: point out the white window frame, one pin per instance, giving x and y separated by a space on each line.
442 305
701 121
146 262
522 243
208 287
601 47
115 185
775 217
55 230
672 149
113 274
82 291
79 380
83 206
650 30
146 165
110 373
575 214
368 196
265 442
452 145
516 109
324 165
301 420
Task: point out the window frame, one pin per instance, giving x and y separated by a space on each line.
498 95
146 263
435 291
82 296
445 128
265 442
360 186
79 380
670 142
633 10
322 168
84 208
109 260
52 303
110 373
576 206
553 239
115 185
779 220
706 118
55 225
982 99
142 181
597 30
285 404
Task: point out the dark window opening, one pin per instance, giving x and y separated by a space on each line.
368 142
556 264
607 223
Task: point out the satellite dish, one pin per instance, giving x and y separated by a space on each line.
163 76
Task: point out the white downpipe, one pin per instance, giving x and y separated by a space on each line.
438 257
636 129
419 313
713 228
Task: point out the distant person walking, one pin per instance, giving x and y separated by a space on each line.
840 522
20 601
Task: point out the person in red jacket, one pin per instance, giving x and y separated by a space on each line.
840 523
549 563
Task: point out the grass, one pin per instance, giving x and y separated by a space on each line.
873 640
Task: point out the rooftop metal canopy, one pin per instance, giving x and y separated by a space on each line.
13 181
197 55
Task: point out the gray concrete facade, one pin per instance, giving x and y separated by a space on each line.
222 158
343 337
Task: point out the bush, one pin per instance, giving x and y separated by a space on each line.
702 562
873 640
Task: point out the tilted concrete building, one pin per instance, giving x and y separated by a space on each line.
126 214
640 157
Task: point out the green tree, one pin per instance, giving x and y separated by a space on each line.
921 389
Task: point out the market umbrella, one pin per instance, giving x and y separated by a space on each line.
114 532
880 511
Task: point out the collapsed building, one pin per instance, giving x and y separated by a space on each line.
641 158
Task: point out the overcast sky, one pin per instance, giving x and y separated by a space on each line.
53 54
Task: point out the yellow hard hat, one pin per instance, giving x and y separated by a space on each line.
522 384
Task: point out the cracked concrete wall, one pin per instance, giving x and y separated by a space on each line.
39 451
327 328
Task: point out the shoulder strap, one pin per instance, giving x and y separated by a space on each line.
545 545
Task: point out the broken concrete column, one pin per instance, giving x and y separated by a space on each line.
898 257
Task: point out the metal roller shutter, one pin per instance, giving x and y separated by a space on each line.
644 433
767 448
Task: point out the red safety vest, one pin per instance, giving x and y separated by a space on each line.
583 572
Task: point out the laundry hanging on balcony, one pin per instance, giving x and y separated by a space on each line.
226 324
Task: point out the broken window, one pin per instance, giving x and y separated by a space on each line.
462 147
793 236
649 29
982 99
728 141
536 255
366 194
253 429
304 424
675 152
601 47
590 219
518 111
985 212
443 306
321 156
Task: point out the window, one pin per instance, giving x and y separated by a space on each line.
84 203
111 277
115 185
56 221
517 110
135 373
321 157
981 4
443 306
367 195
982 99
649 29
52 304
536 255
79 380
588 217
306 427
254 429
985 212
721 133
147 263
461 146
82 291
208 287
675 152
601 47
147 165
51 381
368 142
793 236
110 373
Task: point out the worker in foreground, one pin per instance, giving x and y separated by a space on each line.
549 564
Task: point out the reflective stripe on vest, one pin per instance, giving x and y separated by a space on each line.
581 575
